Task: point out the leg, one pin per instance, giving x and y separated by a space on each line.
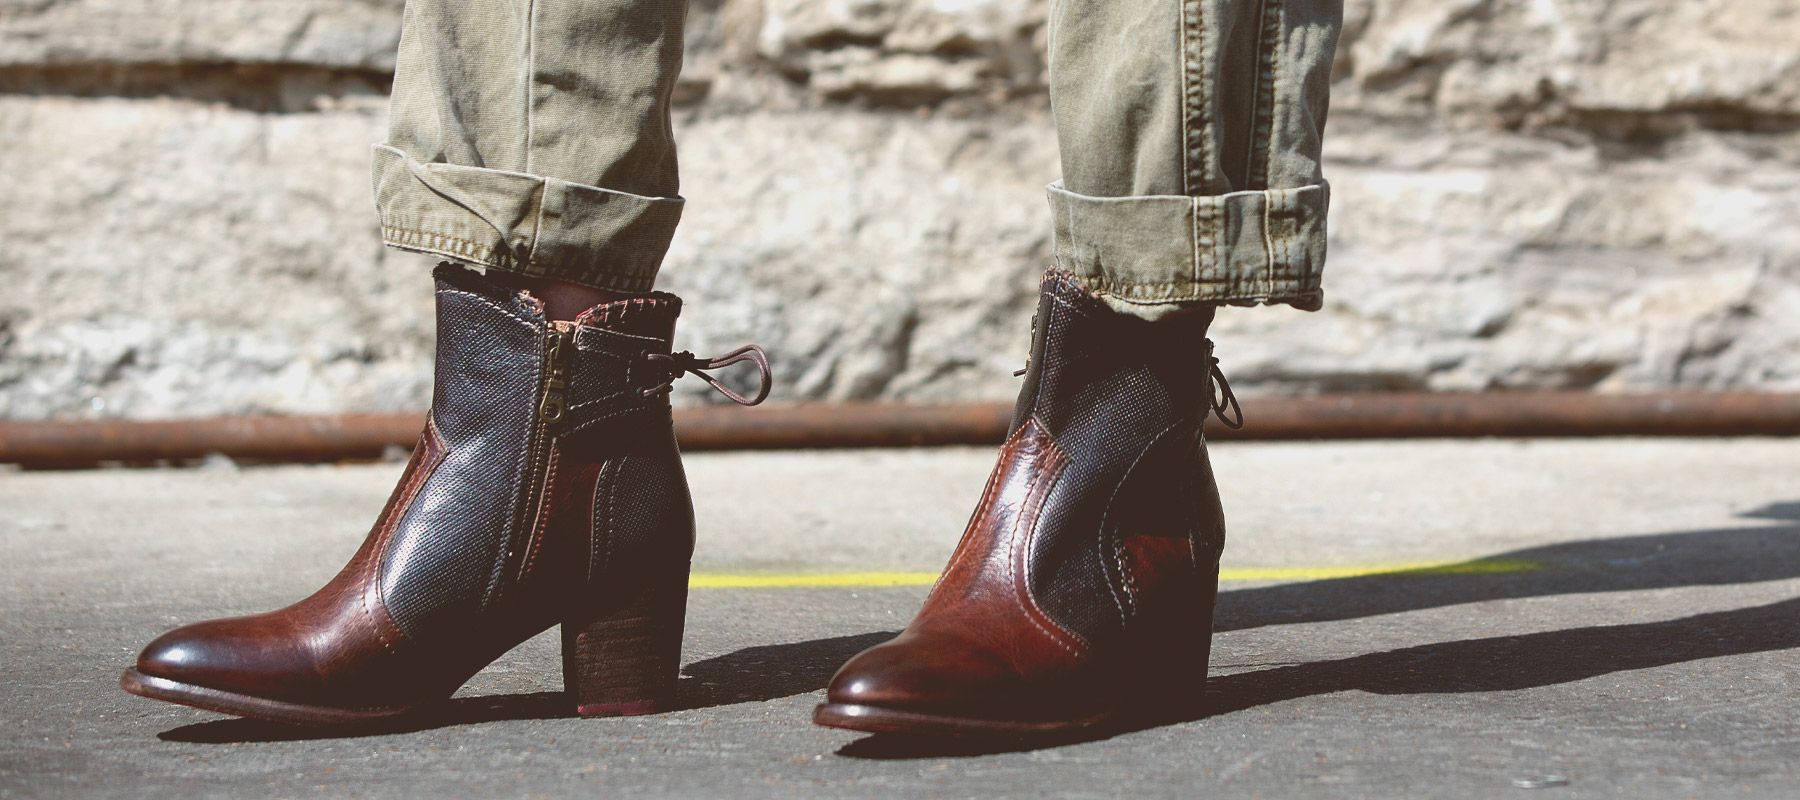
534 138
531 138
1191 167
1082 590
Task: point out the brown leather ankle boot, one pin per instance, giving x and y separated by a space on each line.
1083 587
546 489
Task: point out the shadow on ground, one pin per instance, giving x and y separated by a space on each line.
1687 558
1713 557
1475 665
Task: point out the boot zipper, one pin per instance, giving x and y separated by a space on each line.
559 339
559 344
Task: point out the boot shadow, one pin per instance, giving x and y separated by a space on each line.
769 672
1710 557
1495 664
1687 558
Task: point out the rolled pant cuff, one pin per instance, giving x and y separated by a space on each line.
523 223
1153 255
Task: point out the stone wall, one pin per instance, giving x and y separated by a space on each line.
1528 193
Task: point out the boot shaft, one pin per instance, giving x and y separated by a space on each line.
554 462
1105 471
1128 370
1085 579
546 489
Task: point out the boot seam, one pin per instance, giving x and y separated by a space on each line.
612 507
987 499
591 422
496 588
1019 545
1126 579
540 526
437 451
604 489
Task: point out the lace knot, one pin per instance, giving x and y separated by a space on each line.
675 365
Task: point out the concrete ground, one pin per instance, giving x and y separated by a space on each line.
1627 628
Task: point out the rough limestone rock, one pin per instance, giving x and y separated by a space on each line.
330 34
1527 193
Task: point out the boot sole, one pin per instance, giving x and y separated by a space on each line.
622 664
262 708
875 719
250 706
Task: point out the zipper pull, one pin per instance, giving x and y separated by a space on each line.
560 339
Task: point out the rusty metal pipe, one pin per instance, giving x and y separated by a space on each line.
77 443
1404 415
80 443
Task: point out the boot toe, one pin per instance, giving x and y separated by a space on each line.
920 673
176 656
221 655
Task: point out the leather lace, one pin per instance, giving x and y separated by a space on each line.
1219 398
686 363
1218 393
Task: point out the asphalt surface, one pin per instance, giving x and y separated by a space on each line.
1622 621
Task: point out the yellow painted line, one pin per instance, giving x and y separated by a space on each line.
872 580
1482 567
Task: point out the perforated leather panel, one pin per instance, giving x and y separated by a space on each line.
446 557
